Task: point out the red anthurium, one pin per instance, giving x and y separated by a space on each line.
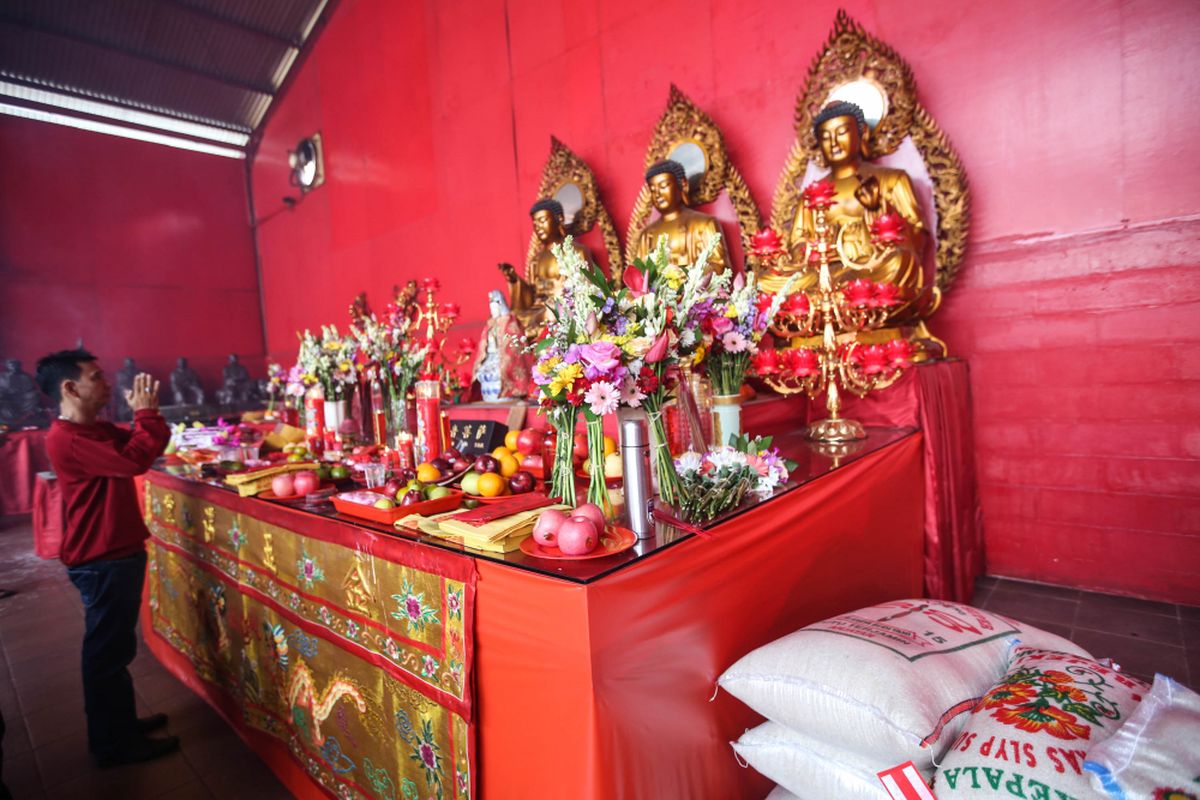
635 281
658 350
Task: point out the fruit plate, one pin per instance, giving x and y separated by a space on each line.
387 516
615 540
322 493
613 482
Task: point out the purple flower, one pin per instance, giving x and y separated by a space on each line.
452 602
412 606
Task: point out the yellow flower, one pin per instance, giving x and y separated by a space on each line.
565 378
731 312
698 357
674 276
549 365
333 346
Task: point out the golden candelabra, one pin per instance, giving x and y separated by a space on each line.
839 362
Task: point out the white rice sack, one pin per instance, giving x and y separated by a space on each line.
1029 735
1155 755
893 681
780 793
810 769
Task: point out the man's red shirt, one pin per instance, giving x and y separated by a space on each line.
95 465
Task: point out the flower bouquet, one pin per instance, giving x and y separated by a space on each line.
718 480
385 351
580 367
664 308
742 319
329 361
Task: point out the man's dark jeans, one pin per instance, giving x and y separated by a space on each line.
112 594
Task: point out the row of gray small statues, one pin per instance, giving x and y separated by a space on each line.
22 404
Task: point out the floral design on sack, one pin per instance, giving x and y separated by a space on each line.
1053 701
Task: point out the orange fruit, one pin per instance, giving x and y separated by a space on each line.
491 484
510 439
610 446
428 473
501 452
508 465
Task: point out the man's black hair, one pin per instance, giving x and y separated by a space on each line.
65 365
839 109
548 204
668 167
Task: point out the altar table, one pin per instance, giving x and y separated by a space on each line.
591 679
22 456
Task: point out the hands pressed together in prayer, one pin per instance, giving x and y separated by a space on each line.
144 392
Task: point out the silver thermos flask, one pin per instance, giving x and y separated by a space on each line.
635 466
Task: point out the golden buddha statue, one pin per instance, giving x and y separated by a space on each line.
864 193
528 295
687 230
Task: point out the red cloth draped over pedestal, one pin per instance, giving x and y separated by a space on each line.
603 690
22 456
935 397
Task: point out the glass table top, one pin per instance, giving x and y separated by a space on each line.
813 461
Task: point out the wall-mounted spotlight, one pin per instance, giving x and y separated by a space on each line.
308 163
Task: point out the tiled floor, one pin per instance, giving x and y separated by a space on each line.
45 749
1142 636
45 746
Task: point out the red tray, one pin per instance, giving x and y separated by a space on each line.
615 539
390 515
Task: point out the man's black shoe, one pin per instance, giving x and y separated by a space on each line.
151 723
138 750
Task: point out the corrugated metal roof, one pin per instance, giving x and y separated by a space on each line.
219 62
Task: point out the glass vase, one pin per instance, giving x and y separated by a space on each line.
597 490
660 452
562 471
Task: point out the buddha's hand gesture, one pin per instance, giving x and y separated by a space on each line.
868 194
143 394
508 271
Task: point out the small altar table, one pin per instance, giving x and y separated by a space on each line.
580 679
22 457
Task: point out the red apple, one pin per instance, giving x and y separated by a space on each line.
594 513
412 496
577 536
534 462
545 532
581 446
395 486
486 464
451 453
283 485
460 464
306 482
521 481
530 440
442 464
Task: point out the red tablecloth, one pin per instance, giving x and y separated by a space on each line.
47 516
603 690
22 456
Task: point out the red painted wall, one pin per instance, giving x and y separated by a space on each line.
139 249
1078 304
